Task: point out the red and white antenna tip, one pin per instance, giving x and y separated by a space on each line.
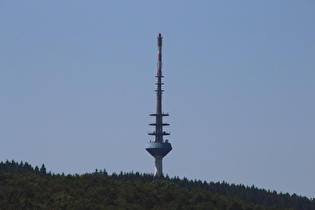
159 39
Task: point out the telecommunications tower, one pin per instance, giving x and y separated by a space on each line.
159 148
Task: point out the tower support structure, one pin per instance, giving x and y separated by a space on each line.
159 147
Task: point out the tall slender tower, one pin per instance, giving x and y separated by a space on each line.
159 148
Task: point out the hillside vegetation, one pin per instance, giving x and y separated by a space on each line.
25 187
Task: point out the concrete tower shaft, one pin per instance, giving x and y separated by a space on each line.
159 148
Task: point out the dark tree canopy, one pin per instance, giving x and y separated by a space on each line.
25 187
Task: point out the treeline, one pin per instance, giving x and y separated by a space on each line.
21 168
246 193
228 194
92 191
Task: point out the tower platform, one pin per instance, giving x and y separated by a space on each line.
158 149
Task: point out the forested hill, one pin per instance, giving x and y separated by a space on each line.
25 187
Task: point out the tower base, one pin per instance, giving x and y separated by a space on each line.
158 167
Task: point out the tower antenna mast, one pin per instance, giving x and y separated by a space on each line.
159 148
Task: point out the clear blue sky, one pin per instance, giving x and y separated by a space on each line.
77 87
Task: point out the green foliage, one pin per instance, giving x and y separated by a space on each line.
25 187
88 191
21 168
